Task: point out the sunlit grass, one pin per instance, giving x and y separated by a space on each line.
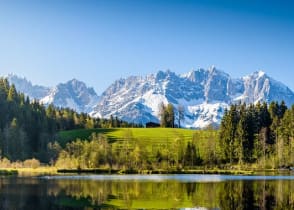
144 135
48 170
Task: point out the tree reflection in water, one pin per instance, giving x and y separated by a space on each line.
36 193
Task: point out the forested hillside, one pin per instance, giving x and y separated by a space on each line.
250 137
26 127
258 133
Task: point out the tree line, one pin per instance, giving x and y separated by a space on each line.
254 136
171 117
27 127
258 133
127 154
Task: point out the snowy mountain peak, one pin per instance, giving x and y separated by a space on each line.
164 75
73 94
25 86
204 94
261 73
75 82
77 87
212 69
258 74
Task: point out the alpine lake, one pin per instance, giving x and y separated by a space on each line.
201 192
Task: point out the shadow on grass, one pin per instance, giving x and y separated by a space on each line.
64 137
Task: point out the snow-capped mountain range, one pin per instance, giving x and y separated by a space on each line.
73 94
203 94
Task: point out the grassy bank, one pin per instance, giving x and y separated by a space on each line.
148 148
29 171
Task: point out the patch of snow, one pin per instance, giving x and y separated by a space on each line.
49 98
261 73
72 104
153 101
185 103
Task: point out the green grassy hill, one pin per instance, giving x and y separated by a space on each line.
149 141
147 136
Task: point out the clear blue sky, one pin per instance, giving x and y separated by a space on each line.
100 41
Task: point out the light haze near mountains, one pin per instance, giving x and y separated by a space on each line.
100 41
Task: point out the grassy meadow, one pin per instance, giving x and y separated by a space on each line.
148 136
152 139
147 143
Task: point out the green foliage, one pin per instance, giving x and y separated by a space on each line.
139 148
258 133
228 131
191 157
180 114
27 127
86 154
167 116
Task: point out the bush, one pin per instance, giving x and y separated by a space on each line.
5 163
31 163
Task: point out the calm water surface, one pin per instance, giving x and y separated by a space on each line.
199 192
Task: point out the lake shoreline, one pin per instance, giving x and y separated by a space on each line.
31 172
160 171
171 172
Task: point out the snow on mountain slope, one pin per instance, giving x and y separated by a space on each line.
260 87
204 94
25 86
74 94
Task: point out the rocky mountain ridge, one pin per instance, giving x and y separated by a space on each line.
203 94
73 94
